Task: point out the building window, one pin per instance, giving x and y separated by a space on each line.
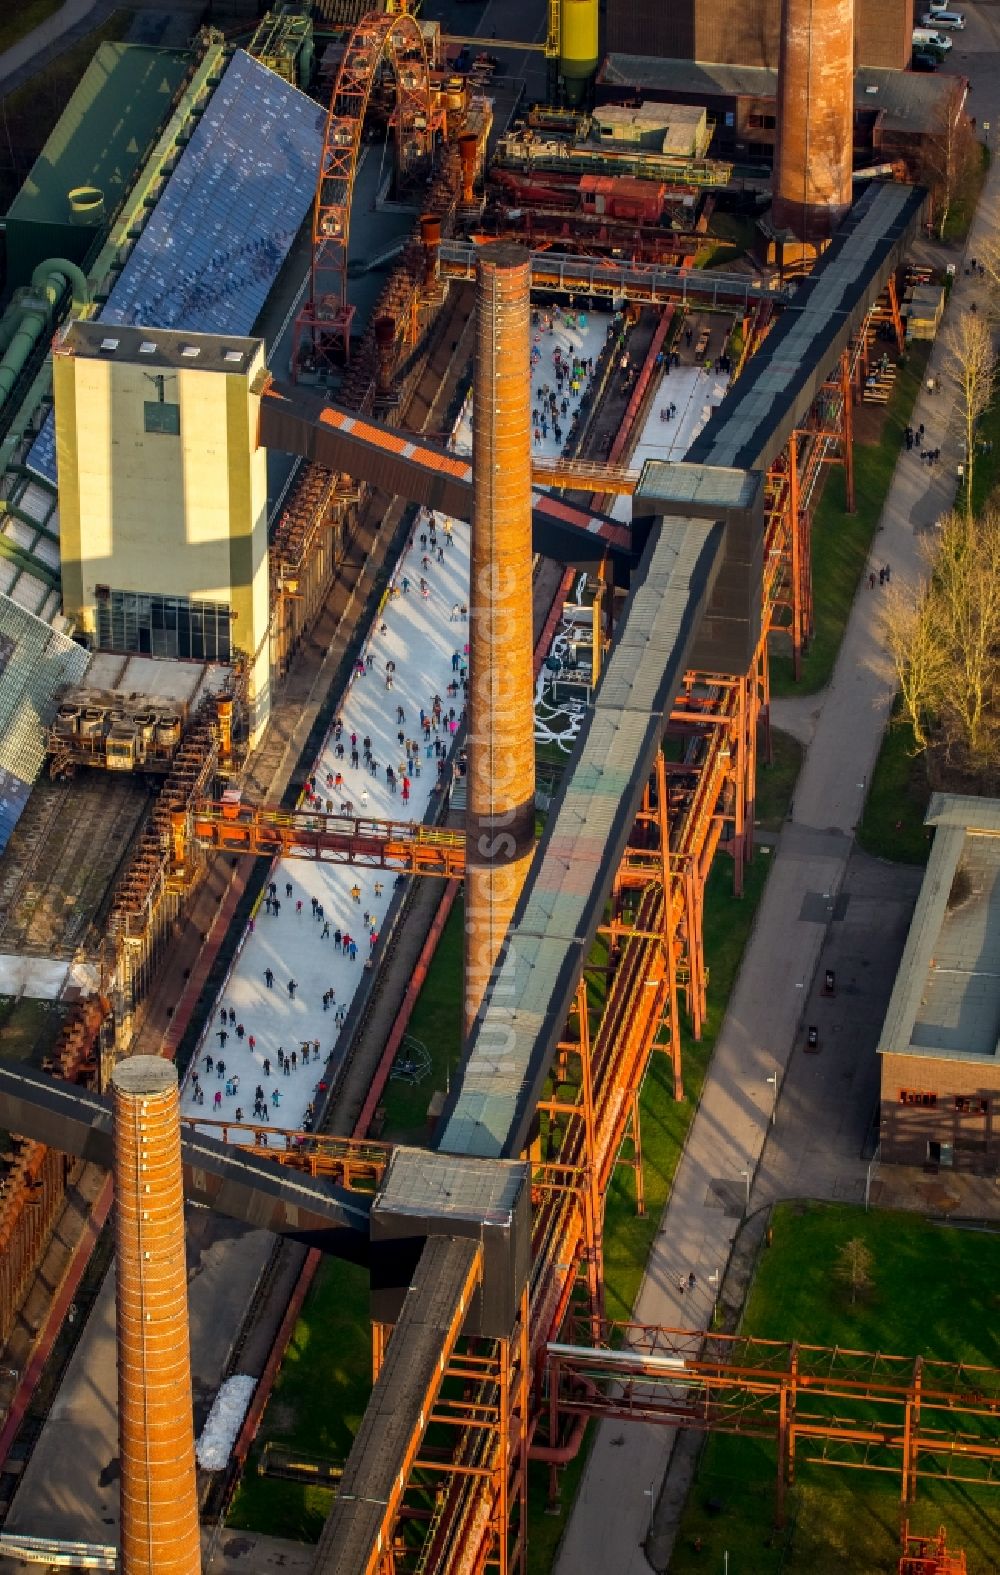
168 626
760 122
970 1105
913 1096
162 417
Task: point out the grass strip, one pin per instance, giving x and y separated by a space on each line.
892 826
934 1293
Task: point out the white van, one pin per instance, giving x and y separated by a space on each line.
954 20
927 38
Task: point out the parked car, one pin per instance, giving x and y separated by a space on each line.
925 60
953 20
927 38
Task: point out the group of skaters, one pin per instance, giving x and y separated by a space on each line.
308 1053
559 403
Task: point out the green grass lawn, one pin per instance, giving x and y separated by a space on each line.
963 209
437 1023
776 781
841 541
986 472
892 826
24 16
28 1028
317 1403
730 236
934 1294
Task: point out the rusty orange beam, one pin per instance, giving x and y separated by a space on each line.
268 831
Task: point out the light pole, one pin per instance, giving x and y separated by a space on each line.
746 1177
773 1080
650 1493
713 1280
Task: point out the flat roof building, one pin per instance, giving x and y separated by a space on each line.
895 112
163 495
940 1044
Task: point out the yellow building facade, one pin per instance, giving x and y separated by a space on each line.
163 495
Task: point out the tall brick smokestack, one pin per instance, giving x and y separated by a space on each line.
500 807
159 1505
815 117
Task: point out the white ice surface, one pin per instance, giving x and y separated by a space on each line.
696 393
421 639
223 1423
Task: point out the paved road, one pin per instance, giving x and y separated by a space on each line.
765 1016
70 13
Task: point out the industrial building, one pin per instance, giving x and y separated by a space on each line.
939 1044
894 112
132 408
748 35
224 431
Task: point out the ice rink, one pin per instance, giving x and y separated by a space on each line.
427 642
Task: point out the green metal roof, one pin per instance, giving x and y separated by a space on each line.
104 131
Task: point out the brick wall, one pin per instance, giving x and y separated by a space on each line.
747 35
906 1129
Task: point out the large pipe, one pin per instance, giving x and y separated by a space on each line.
159 1503
500 813
815 118
33 315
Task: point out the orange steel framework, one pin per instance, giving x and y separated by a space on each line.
649 957
565 1363
395 39
857 1410
929 1555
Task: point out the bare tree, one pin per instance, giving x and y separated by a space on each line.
950 157
970 365
854 1267
945 644
965 595
918 655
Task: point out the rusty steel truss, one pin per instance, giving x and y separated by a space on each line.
497 1403
380 39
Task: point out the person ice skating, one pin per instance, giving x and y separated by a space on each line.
217 1101
252 1043
267 1067
294 1059
292 987
222 1037
356 894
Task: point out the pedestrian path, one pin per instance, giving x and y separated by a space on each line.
48 32
388 756
763 1020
